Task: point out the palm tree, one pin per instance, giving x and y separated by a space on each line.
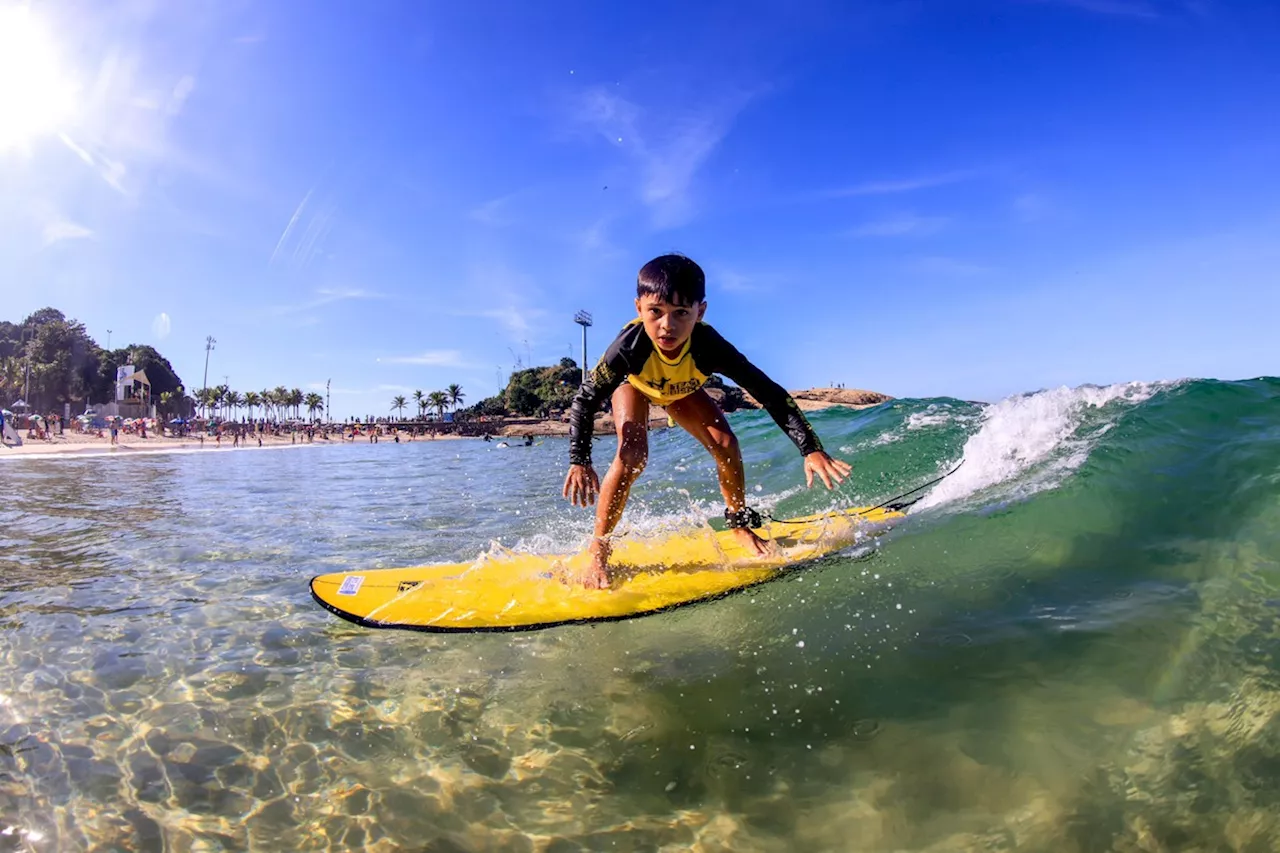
265 396
438 400
280 398
455 395
398 402
251 399
313 401
421 400
11 373
207 397
296 399
234 400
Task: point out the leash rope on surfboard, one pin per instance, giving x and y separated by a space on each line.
893 504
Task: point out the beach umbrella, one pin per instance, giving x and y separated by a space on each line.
178 421
7 413
20 404
36 418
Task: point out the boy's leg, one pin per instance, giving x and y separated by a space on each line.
699 415
631 420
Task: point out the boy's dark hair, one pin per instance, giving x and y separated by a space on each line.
674 279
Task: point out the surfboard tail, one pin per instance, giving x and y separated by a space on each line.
11 435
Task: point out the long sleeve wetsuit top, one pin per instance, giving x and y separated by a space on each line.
632 356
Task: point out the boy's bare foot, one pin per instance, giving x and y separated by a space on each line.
755 546
597 574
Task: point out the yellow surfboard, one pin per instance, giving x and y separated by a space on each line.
515 592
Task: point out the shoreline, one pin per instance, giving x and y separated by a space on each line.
83 444
79 444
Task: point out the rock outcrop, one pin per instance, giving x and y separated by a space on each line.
820 398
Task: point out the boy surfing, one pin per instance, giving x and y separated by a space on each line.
666 355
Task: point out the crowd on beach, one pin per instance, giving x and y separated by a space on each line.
54 433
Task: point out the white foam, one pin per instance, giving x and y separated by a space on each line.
934 415
1023 432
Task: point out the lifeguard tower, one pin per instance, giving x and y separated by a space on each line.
133 392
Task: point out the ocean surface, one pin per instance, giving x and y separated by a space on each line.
1071 644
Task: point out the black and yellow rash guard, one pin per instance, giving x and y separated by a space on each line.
634 357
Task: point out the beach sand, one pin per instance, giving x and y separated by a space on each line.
88 444
85 443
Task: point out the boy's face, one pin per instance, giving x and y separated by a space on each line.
667 324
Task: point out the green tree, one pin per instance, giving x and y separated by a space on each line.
11 372
313 402
398 402
251 400
207 398
220 393
488 407
11 335
455 395
420 400
538 390
60 358
521 396
439 400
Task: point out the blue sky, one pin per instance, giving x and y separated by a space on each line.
923 198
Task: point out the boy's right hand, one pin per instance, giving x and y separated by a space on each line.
581 485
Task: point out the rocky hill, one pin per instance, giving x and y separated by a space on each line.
820 398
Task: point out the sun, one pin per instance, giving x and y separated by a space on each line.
36 99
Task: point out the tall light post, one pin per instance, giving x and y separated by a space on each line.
327 413
204 390
108 340
26 381
583 319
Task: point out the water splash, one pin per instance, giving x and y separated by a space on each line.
1039 435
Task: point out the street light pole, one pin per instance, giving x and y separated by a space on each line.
328 415
583 319
108 340
204 390
26 382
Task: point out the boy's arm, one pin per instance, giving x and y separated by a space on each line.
726 359
601 383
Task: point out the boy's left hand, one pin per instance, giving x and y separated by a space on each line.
826 468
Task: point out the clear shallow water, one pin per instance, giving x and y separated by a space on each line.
1071 645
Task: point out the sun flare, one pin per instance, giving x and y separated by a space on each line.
36 98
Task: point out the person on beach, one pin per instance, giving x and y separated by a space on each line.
666 355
